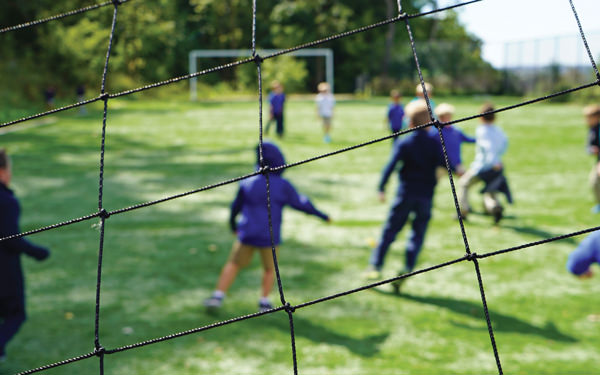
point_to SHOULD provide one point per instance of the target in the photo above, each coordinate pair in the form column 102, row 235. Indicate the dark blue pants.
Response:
column 12, row 315
column 278, row 117
column 279, row 120
column 399, row 214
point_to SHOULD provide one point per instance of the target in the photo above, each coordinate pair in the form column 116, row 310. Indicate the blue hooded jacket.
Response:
column 11, row 273
column 251, row 201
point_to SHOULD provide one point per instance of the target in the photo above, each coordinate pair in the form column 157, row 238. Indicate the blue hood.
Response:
column 272, row 156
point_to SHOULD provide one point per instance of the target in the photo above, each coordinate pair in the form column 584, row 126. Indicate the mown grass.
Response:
column 160, row 262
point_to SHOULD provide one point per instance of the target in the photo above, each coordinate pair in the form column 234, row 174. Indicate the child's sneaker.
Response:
column 497, row 213
column 213, row 302
column 372, row 274
column 397, row 284
column 264, row 306
column 596, row 209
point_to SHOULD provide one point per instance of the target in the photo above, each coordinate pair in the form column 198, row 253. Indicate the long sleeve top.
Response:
column 491, row 143
column 277, row 101
column 11, row 273
column 453, row 139
column 419, row 156
column 395, row 116
column 251, row 202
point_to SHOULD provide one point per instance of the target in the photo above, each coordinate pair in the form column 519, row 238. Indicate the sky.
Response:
column 532, row 32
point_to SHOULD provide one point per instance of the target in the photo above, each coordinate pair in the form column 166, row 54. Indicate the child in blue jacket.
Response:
column 12, row 286
column 419, row 155
column 253, row 228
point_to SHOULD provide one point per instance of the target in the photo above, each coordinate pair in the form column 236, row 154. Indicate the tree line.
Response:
column 153, row 38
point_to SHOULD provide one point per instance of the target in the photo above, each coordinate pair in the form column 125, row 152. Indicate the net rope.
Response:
column 103, row 214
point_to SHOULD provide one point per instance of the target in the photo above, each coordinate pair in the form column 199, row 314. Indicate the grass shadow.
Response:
column 538, row 233
column 366, row 346
column 500, row 322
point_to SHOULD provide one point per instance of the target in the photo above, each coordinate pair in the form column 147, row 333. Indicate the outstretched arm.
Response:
column 9, row 225
column 466, row 138
column 389, row 167
column 302, row 203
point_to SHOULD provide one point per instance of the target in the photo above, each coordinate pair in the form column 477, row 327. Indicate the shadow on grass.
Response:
column 538, row 233
column 366, row 346
column 500, row 322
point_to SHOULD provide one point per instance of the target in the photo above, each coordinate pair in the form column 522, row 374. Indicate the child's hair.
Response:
column 3, row 158
column 428, row 87
column 418, row 113
column 488, row 107
column 275, row 84
column 395, row 93
column 323, row 87
column 591, row 110
column 444, row 109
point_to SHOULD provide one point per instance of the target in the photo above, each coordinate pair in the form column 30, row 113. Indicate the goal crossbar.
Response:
column 194, row 55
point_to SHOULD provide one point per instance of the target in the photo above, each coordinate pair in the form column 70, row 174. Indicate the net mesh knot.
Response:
column 472, row 256
column 104, row 214
column 289, row 308
column 265, row 169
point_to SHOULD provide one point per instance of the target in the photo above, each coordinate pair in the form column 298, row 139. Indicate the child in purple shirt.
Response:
column 276, row 101
column 253, row 227
column 453, row 137
column 395, row 115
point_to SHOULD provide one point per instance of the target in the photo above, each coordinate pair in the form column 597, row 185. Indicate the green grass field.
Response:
column 161, row 262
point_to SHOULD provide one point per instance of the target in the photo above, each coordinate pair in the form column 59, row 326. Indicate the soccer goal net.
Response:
column 196, row 54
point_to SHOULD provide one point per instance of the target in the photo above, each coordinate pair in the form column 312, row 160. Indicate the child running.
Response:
column 453, row 138
column 420, row 156
column 491, row 143
column 252, row 229
column 325, row 104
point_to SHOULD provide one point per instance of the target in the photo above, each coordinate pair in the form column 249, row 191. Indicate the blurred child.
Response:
column 586, row 254
column 12, row 285
column 80, row 92
column 252, row 229
column 276, row 101
column 419, row 155
column 592, row 118
column 419, row 95
column 49, row 94
column 491, row 143
column 325, row 104
column 453, row 138
column 395, row 114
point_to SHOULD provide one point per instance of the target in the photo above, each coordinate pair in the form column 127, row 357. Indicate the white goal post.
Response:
column 194, row 55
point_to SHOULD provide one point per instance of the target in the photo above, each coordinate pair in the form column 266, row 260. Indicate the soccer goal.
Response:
column 196, row 54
